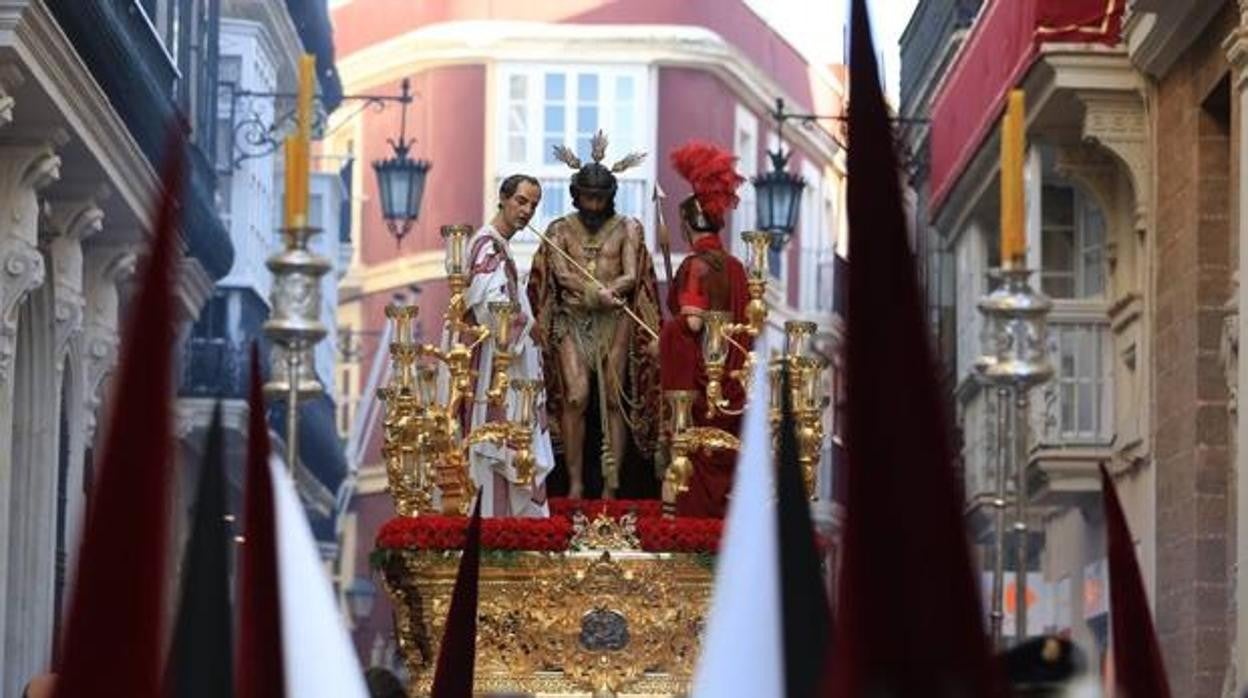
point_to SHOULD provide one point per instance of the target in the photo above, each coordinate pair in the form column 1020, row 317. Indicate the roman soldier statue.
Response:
column 710, row 278
column 595, row 297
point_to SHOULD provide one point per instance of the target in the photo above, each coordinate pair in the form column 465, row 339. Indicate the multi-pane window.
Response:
column 745, row 147
column 547, row 106
column 1072, row 243
column 1077, row 401
column 814, row 242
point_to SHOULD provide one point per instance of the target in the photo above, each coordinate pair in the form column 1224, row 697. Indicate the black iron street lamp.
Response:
column 401, row 180
column 779, row 199
column 780, row 191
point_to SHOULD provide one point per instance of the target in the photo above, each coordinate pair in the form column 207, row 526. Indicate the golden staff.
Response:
column 576, row 265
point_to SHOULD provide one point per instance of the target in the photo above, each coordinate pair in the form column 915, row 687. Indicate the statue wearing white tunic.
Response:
column 492, row 278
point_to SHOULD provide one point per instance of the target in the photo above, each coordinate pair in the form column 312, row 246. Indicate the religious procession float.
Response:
column 580, row 596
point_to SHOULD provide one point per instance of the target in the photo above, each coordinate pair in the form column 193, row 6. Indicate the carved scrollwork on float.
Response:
column 624, row 624
column 604, row 532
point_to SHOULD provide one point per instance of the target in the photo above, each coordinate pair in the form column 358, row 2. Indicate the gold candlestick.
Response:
column 456, row 237
column 406, row 471
column 679, row 468
column 502, row 313
column 714, row 355
column 757, row 243
column 526, row 391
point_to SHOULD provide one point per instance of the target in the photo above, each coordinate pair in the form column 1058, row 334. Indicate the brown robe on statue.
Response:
column 642, row 395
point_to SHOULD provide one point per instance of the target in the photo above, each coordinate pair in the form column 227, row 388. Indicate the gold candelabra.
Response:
column 432, row 390
column 686, row 439
column 805, row 396
column 719, row 336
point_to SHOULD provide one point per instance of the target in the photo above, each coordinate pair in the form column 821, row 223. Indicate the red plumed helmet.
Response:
column 712, row 173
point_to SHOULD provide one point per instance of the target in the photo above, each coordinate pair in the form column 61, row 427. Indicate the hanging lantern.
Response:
column 779, row 199
column 401, row 180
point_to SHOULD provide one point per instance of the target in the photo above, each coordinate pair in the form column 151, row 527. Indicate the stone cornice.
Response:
column 1160, row 30
column 457, row 43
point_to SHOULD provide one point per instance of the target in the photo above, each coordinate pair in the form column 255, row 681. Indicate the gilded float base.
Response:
column 602, row 623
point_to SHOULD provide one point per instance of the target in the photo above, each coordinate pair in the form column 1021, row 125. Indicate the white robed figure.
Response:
column 493, row 278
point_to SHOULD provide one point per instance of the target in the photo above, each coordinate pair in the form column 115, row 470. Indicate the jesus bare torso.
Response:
column 591, row 333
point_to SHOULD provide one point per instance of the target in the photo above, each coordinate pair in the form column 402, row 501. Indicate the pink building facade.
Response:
column 497, row 85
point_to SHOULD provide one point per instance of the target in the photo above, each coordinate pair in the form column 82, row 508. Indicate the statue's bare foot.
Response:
column 608, row 493
column 576, row 490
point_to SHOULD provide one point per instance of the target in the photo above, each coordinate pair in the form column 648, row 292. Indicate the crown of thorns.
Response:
column 597, row 151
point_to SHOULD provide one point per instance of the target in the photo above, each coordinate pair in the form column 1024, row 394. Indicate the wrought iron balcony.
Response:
column 213, row 367
column 124, row 52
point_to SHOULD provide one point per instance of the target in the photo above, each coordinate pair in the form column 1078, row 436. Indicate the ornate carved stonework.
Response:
column 69, row 311
column 1236, row 48
column 10, row 79
column 105, row 269
column 22, row 273
column 24, row 170
column 68, row 224
column 1116, row 121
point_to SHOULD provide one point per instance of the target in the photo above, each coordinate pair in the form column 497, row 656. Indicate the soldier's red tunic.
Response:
column 709, row 279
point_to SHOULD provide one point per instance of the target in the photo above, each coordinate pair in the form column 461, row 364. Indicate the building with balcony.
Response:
column 1134, row 116
column 88, row 92
column 498, row 86
column 258, row 49
column 1086, row 238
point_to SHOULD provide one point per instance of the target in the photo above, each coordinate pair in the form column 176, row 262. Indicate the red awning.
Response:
column 1001, row 48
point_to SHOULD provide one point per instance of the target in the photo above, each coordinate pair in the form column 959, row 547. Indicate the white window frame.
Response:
column 1093, row 371
column 1082, row 204
column 825, row 294
column 811, row 237
column 555, row 177
column 745, row 127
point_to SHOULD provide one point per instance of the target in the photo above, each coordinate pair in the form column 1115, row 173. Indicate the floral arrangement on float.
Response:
column 570, row 523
